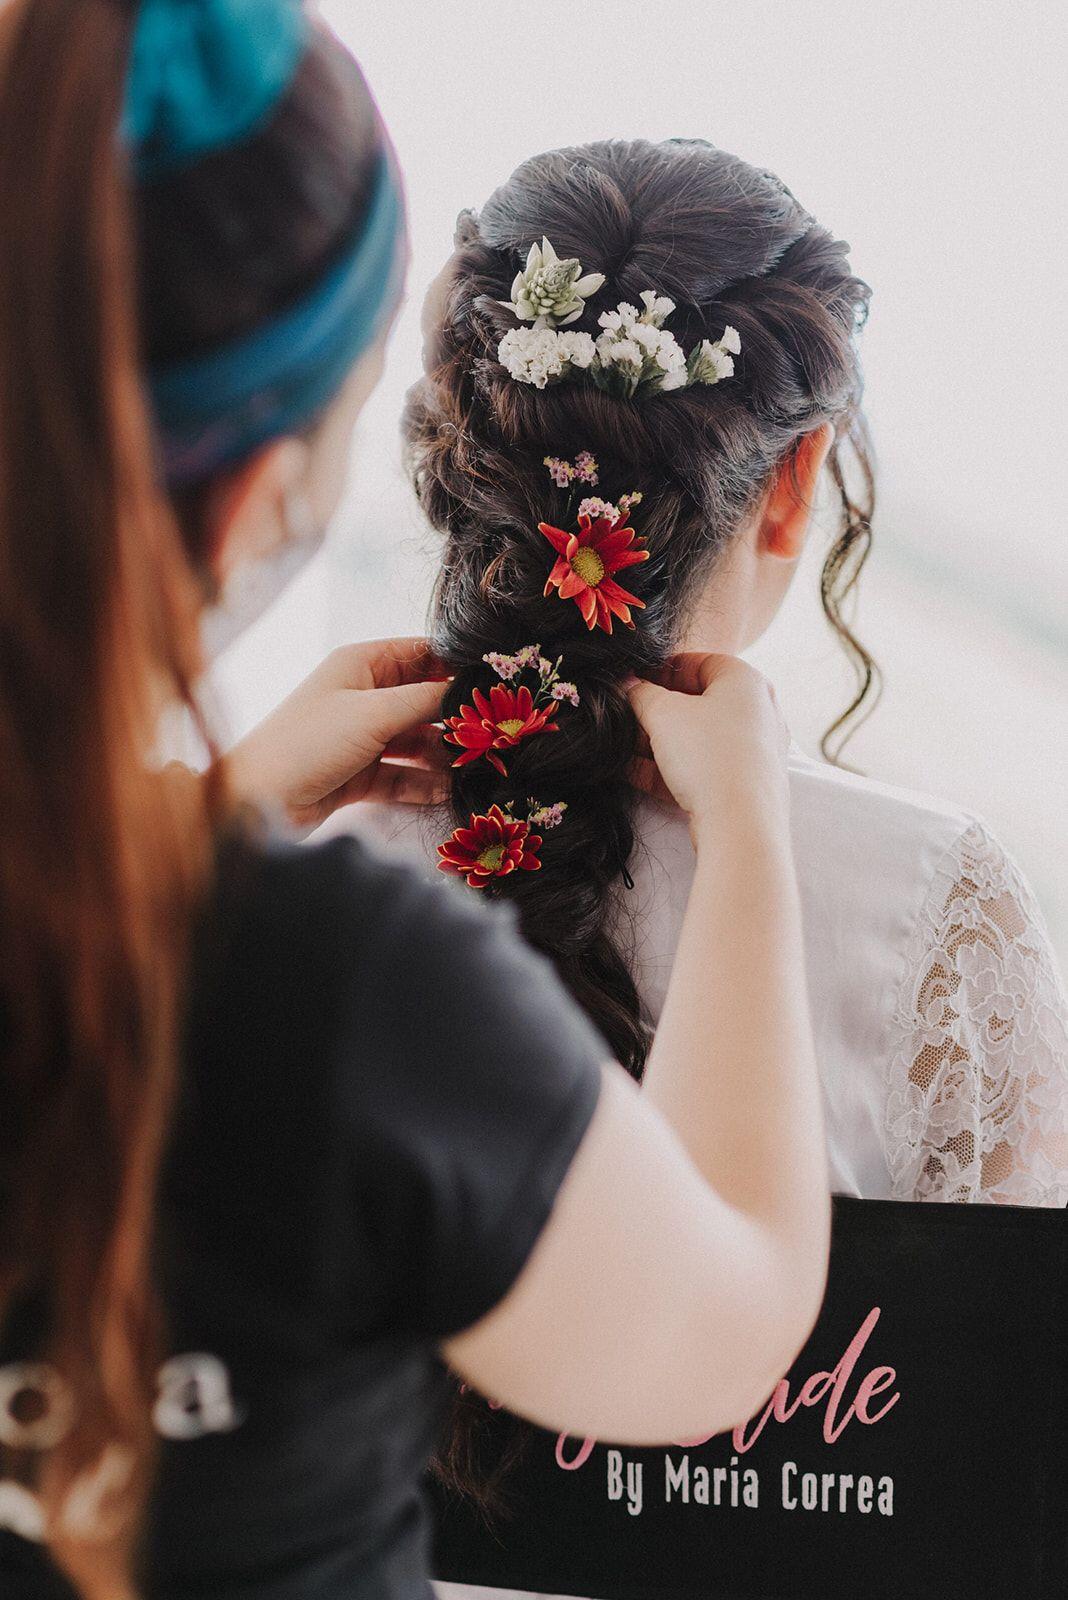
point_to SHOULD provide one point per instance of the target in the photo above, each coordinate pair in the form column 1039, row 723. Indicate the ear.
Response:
column 784, row 521
column 244, row 506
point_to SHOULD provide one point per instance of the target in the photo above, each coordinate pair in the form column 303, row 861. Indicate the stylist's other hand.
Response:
column 358, row 728
column 717, row 739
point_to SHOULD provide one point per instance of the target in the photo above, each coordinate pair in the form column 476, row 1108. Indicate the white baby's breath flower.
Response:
column 578, row 348
column 657, row 307
column 669, row 353
column 611, row 321
column 628, row 314
column 532, row 355
column 541, row 355
column 647, row 336
column 624, row 352
column 710, row 362
column 551, row 292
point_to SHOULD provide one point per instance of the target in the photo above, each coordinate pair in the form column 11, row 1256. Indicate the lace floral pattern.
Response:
column 978, row 1093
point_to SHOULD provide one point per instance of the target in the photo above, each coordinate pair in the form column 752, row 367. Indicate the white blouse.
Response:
column 940, row 1020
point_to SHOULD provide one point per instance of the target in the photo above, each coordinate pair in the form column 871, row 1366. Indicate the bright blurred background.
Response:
column 927, row 136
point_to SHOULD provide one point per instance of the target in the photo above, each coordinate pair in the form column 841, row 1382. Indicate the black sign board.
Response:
column 918, row 1447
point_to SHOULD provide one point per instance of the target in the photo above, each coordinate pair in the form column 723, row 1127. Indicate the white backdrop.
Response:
column 928, row 137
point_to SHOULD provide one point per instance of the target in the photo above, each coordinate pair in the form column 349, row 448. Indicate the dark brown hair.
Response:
column 730, row 245
column 103, row 860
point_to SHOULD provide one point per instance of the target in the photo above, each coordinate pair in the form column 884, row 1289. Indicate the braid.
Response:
column 730, row 246
column 490, row 594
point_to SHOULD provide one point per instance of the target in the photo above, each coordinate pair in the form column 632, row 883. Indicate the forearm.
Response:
column 733, row 1065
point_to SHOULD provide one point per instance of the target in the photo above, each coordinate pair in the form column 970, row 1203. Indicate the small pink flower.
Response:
column 586, row 467
column 505, row 667
column 561, row 472
column 594, row 508
column 548, row 816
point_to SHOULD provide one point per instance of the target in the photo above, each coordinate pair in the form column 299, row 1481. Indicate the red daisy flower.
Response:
column 492, row 847
column 497, row 723
column 586, row 561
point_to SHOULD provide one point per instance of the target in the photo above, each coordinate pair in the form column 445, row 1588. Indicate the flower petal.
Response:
column 627, row 558
column 556, row 536
column 572, row 585
column 502, row 703
column 587, row 604
column 609, row 590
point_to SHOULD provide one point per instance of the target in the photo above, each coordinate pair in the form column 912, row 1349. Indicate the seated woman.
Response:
column 640, row 361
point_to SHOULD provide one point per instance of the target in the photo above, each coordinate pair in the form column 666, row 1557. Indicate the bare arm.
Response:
column 684, row 1262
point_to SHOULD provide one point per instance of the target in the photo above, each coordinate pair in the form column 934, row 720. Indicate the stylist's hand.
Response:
column 717, row 739
column 356, row 729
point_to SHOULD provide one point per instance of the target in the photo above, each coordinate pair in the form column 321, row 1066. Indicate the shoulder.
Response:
column 864, row 815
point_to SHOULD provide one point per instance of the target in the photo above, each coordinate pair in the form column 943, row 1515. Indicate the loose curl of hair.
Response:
column 728, row 243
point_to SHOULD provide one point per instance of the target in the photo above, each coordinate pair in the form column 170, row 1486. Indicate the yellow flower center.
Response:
column 589, row 566
column 491, row 857
column 511, row 726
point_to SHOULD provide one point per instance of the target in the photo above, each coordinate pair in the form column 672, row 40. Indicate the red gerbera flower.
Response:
column 497, row 723
column 586, row 561
column 492, row 847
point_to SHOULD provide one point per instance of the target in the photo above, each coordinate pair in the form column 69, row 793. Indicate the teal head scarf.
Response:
column 205, row 75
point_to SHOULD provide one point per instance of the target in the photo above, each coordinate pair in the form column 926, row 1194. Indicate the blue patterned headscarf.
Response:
column 204, row 75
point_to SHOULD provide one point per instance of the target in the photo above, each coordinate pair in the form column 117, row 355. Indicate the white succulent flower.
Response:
column 657, row 307
column 551, row 292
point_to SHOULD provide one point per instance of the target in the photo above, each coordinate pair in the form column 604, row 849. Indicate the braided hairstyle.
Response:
column 730, row 245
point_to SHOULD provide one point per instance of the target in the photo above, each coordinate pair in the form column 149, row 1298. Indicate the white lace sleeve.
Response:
column 978, row 1093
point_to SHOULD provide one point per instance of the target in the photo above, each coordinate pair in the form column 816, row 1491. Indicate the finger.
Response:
column 386, row 783
column 646, row 700
column 388, row 713
column 385, row 663
column 645, row 775
column 643, row 745
column 424, row 745
column 691, row 671
column 407, row 786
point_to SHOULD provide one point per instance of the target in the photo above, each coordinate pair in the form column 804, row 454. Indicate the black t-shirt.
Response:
column 382, row 1092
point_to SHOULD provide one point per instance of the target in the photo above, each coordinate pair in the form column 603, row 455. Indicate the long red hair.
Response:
column 103, row 857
